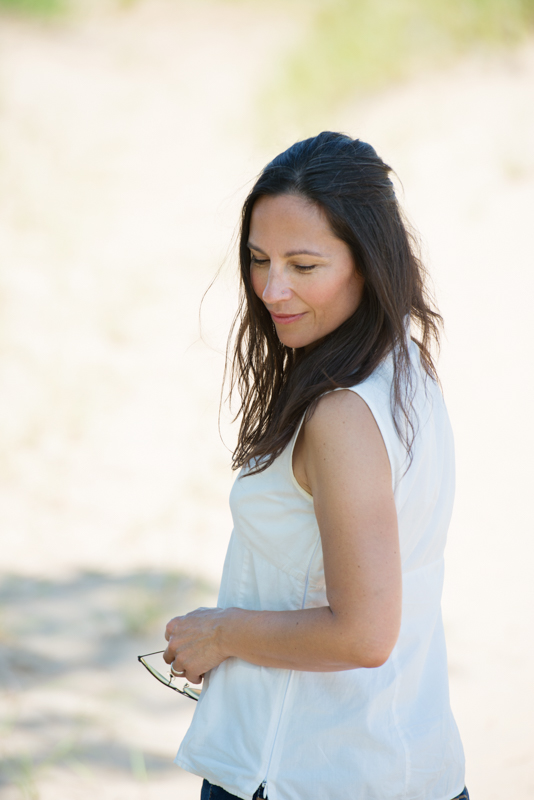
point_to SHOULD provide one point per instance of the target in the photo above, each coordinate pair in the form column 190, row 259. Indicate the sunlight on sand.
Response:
column 126, row 146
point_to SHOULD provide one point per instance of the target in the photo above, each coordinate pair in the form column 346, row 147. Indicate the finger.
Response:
column 193, row 678
column 177, row 670
column 170, row 627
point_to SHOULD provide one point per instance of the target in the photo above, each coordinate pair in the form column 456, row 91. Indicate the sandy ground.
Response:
column 126, row 145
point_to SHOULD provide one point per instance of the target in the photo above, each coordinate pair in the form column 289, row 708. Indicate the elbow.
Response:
column 371, row 654
column 368, row 643
column 375, row 658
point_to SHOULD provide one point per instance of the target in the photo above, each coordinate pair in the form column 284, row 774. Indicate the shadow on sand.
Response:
column 75, row 695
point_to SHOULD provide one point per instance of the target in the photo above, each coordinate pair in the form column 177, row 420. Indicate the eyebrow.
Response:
column 289, row 254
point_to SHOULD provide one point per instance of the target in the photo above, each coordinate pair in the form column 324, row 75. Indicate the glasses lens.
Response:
column 157, row 667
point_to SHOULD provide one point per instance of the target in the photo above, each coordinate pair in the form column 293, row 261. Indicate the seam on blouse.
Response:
column 244, row 575
column 307, row 582
column 407, row 759
column 254, row 555
column 291, row 672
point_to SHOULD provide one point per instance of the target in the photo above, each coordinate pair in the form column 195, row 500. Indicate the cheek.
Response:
column 334, row 295
column 340, row 299
column 355, row 293
column 258, row 280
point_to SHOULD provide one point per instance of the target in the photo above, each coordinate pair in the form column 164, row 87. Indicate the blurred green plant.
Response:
column 24, row 771
column 146, row 604
column 137, row 763
column 361, row 45
column 23, row 776
column 141, row 613
column 40, row 8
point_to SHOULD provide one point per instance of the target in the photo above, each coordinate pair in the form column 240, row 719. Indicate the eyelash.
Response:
column 261, row 261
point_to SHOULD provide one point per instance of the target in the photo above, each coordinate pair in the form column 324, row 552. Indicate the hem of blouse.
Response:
column 456, row 792
column 231, row 789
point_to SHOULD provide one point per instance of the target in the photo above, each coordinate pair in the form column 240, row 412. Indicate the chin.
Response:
column 297, row 342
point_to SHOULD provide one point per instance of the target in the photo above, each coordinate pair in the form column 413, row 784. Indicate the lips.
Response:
column 285, row 319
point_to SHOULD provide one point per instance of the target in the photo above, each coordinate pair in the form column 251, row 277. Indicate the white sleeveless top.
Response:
column 385, row 733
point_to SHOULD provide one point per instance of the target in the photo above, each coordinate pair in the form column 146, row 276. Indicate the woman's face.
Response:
column 303, row 273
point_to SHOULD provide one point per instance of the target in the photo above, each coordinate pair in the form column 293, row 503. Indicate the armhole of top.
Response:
column 381, row 427
column 291, row 447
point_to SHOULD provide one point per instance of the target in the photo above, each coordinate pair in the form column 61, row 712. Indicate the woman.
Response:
column 324, row 664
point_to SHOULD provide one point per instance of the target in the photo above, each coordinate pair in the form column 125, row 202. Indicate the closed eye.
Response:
column 260, row 262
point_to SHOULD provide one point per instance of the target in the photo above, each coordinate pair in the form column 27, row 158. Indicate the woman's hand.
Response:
column 194, row 643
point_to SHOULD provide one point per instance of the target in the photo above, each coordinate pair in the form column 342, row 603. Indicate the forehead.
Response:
column 289, row 218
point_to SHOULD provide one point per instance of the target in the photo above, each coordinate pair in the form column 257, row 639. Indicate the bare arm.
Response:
column 344, row 465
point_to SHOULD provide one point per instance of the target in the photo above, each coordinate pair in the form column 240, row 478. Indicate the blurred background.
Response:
column 130, row 131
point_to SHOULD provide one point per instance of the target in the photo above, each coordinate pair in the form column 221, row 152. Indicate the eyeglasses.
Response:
column 186, row 689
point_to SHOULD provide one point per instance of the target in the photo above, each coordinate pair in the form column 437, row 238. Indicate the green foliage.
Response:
column 23, row 775
column 356, row 45
column 41, row 8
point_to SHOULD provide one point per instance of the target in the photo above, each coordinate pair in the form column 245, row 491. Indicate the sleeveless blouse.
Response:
column 384, row 733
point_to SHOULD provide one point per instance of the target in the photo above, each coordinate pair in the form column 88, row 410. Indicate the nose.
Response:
column 277, row 287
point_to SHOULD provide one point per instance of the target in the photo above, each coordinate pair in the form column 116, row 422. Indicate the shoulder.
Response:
column 336, row 411
column 342, row 427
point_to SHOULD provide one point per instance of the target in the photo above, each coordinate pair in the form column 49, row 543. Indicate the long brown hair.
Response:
column 277, row 384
